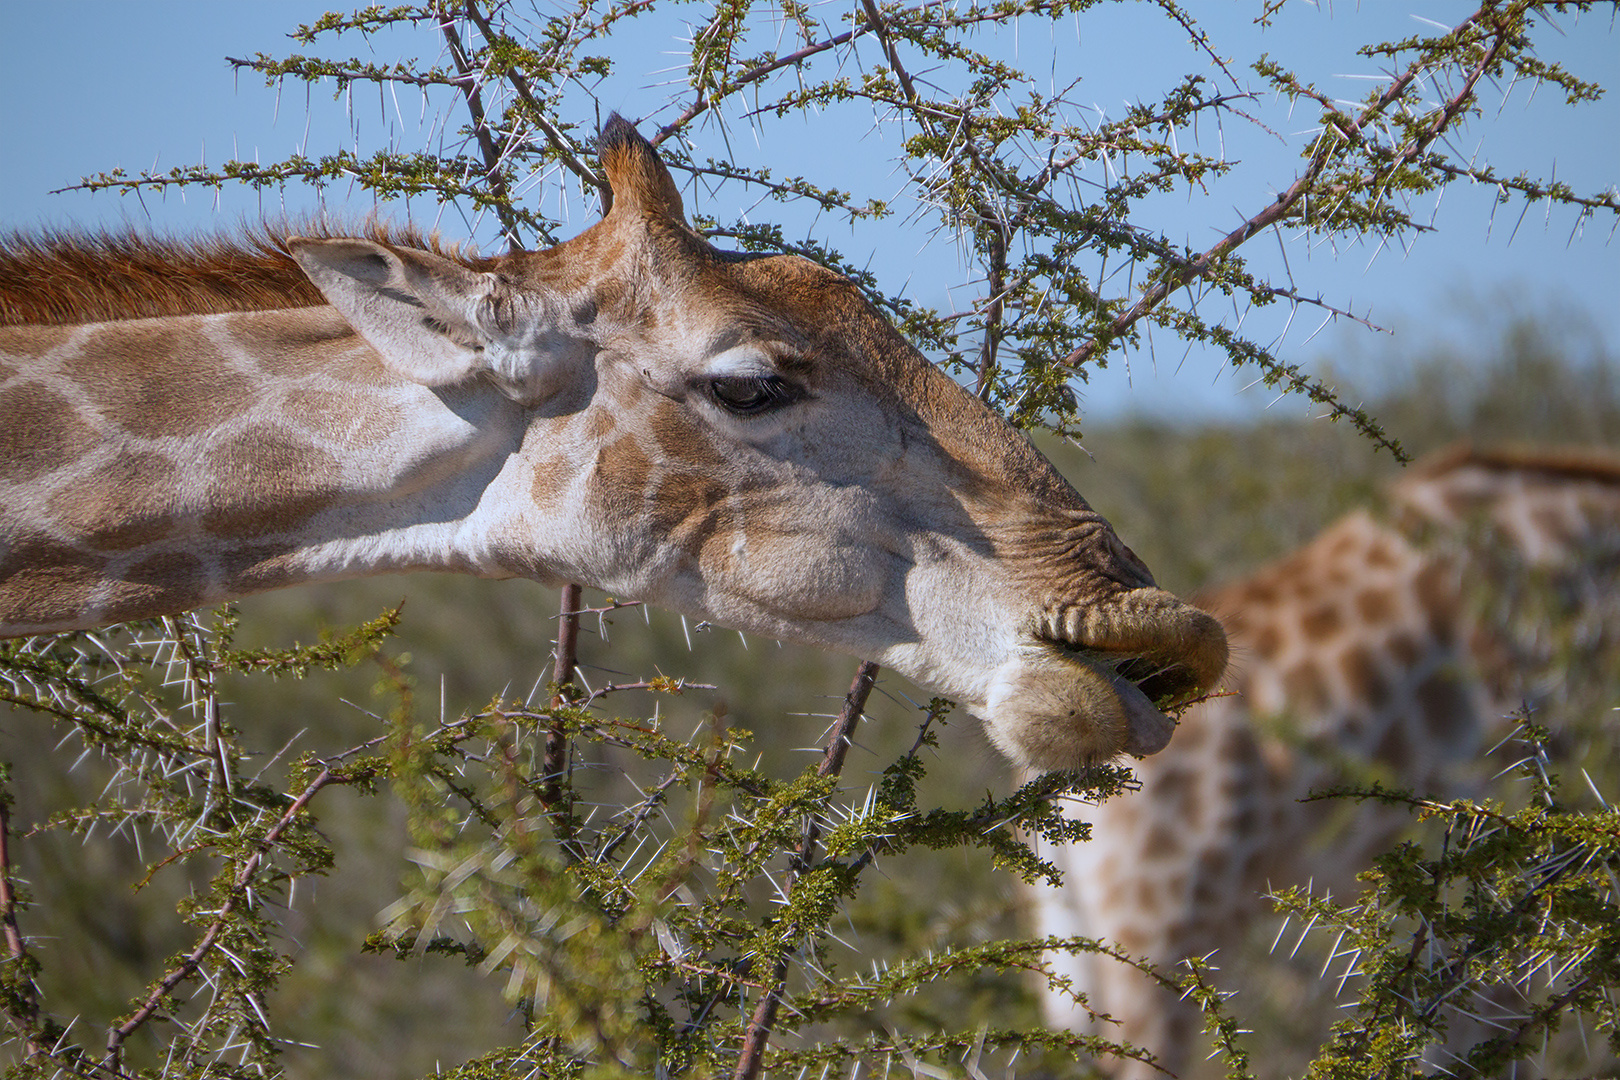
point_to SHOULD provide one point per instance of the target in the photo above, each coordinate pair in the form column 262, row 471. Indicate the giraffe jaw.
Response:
column 1051, row 709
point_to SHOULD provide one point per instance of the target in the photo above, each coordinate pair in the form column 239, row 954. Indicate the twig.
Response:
column 1302, row 186
column 562, row 676
column 760, row 1025
column 27, row 997
column 559, row 142
column 470, row 88
column 187, row 967
column 875, row 19
column 703, row 104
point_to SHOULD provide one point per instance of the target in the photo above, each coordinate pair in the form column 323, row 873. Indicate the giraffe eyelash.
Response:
column 752, row 395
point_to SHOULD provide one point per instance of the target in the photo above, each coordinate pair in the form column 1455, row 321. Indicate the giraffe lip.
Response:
column 1138, row 683
column 1155, row 683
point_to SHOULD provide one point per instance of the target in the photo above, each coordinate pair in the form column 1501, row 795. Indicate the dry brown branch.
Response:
column 763, row 1020
column 562, row 676
column 1302, row 186
column 187, row 967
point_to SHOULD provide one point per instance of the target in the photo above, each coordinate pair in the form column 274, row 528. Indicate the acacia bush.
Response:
column 652, row 897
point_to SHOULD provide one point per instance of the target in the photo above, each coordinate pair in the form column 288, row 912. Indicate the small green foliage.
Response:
column 1469, row 950
column 636, row 940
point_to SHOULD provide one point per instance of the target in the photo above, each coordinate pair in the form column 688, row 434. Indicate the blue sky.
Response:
column 90, row 85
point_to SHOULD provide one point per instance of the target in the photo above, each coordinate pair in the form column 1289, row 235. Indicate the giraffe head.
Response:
column 741, row 439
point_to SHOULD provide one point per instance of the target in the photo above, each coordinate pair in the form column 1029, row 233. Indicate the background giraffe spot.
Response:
column 122, row 504
column 152, row 382
column 1375, row 605
column 1447, row 708
column 1321, row 622
column 1394, row 746
column 40, row 432
column 1267, row 641
column 1404, row 648
column 1366, row 680
column 1441, row 600
column 1306, row 687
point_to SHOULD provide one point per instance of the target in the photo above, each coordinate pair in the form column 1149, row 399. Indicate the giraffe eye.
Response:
column 750, row 395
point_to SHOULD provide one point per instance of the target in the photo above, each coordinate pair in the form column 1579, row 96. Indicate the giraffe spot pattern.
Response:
column 619, row 482
column 123, row 504
column 336, row 419
column 319, row 345
column 257, row 567
column 552, row 479
column 291, row 481
column 40, row 577
column 149, row 383
column 168, row 576
column 40, row 432
column 34, row 340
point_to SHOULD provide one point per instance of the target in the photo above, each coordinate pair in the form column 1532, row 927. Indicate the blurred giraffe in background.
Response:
column 1390, row 646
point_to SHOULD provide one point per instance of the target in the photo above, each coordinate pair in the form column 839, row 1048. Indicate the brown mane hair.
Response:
column 64, row 278
column 1564, row 463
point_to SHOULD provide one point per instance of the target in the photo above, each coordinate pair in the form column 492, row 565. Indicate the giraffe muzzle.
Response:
column 1091, row 681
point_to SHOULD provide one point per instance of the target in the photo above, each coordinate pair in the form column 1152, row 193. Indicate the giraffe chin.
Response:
column 1051, row 710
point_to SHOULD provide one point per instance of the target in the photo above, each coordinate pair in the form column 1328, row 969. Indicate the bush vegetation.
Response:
column 423, row 845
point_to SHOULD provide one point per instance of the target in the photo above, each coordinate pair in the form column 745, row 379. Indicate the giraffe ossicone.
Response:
column 739, row 438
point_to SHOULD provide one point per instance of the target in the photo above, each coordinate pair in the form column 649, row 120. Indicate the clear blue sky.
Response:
column 89, row 85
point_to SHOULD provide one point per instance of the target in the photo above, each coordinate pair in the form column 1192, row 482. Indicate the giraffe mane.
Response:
column 1564, row 463
column 68, row 277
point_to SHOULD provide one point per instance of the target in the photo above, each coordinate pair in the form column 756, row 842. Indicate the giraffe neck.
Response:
column 195, row 459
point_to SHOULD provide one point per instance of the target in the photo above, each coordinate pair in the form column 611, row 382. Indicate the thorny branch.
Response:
column 471, row 89
column 554, row 135
column 763, row 1020
column 562, row 676
column 26, row 993
column 1303, row 186
column 187, row 967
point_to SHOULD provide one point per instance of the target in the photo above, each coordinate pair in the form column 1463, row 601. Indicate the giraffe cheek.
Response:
column 795, row 576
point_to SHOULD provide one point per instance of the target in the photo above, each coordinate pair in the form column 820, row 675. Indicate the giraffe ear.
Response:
column 421, row 311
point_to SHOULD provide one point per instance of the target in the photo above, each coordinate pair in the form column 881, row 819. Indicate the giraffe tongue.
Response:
column 1147, row 729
